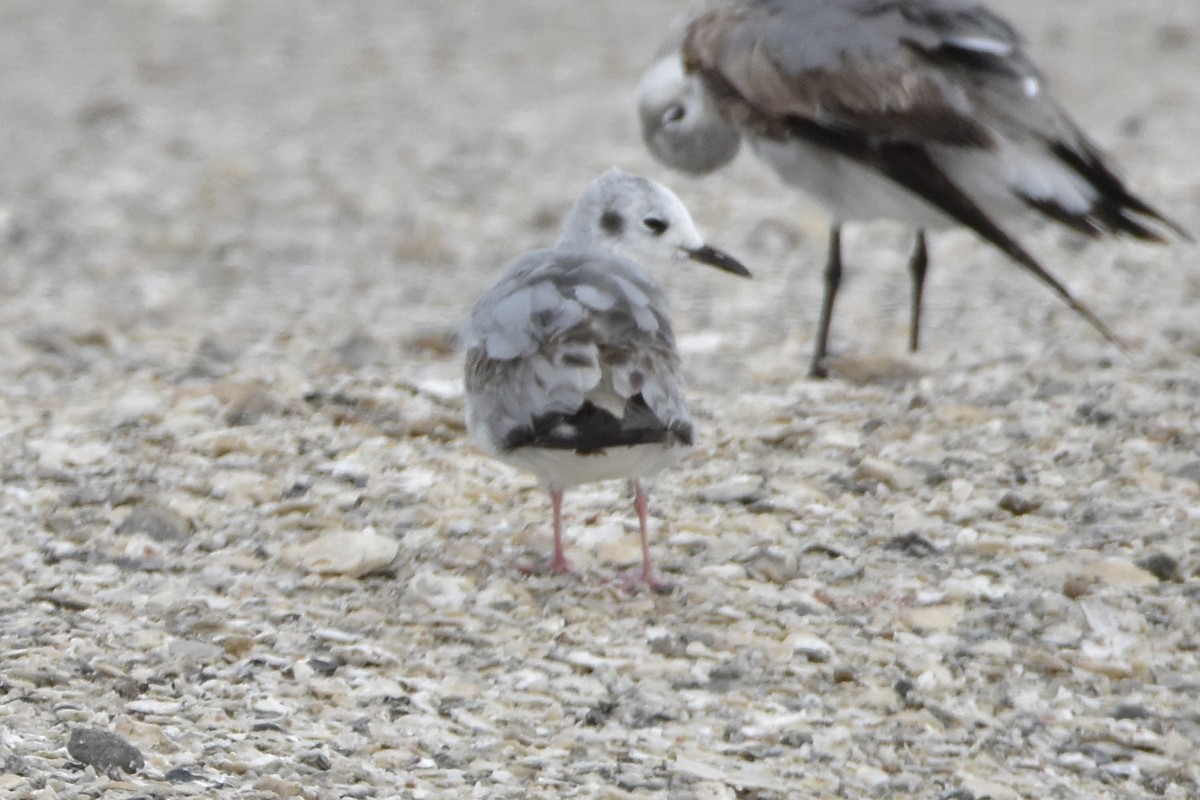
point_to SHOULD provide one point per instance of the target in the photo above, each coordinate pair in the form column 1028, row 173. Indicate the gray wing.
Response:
column 573, row 350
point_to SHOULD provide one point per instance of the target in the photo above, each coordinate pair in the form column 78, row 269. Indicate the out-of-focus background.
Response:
column 238, row 239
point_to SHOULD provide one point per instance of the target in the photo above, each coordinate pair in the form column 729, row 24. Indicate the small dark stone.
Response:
column 297, row 489
column 840, row 484
column 1077, row 587
column 61, row 601
column 913, row 544
column 646, row 717
column 129, row 689
column 903, row 687
column 1018, row 505
column 104, row 751
column 957, row 794
column 1094, row 414
column 843, row 675
column 823, row 549
column 180, row 775
column 397, row 707
column 796, row 739
column 158, row 522
column 598, row 714
column 325, row 666
column 1161, row 566
column 731, row 670
column 1131, row 711
column 316, row 760
column 266, row 726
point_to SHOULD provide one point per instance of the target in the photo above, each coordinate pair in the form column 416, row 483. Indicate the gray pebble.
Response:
column 158, row 522
column 104, row 751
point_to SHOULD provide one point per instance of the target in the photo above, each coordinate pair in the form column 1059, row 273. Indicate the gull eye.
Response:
column 655, row 225
column 674, row 113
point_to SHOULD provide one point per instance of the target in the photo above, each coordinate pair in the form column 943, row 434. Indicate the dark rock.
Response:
column 1094, row 414
column 325, row 666
column 598, row 714
column 1018, row 505
column 913, row 544
column 728, row 672
column 316, row 760
column 104, row 751
column 796, row 739
column 129, row 689
column 1131, row 711
column 180, row 775
column 1161, row 566
column 957, row 794
column 844, row 675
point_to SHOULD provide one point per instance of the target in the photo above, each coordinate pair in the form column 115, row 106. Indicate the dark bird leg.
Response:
column 833, row 279
column 918, row 265
column 647, row 575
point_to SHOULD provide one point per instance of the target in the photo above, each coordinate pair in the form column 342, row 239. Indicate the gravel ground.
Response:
column 250, row 554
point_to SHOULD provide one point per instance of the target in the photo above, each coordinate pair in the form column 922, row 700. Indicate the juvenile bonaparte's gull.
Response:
column 572, row 371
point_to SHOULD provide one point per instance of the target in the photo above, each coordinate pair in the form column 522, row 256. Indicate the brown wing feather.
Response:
column 896, row 98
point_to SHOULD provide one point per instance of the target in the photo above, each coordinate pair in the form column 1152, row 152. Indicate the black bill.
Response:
column 719, row 259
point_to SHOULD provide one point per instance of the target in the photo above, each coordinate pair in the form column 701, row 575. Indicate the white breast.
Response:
column 563, row 469
column 848, row 191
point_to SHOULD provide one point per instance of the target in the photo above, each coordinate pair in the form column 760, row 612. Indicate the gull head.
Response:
column 641, row 220
column 680, row 121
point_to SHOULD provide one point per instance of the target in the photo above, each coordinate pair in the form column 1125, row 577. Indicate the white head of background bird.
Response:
column 680, row 121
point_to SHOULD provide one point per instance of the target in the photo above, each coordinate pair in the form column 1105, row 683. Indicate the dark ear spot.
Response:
column 612, row 222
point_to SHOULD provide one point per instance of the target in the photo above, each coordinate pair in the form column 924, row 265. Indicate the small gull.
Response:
column 572, row 371
column 928, row 112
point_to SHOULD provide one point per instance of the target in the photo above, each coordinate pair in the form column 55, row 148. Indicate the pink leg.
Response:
column 560, row 563
column 642, row 505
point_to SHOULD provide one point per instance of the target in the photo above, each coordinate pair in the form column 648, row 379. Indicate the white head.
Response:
column 638, row 219
column 680, row 121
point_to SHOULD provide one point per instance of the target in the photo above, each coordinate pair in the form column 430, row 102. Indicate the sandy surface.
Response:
column 238, row 237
